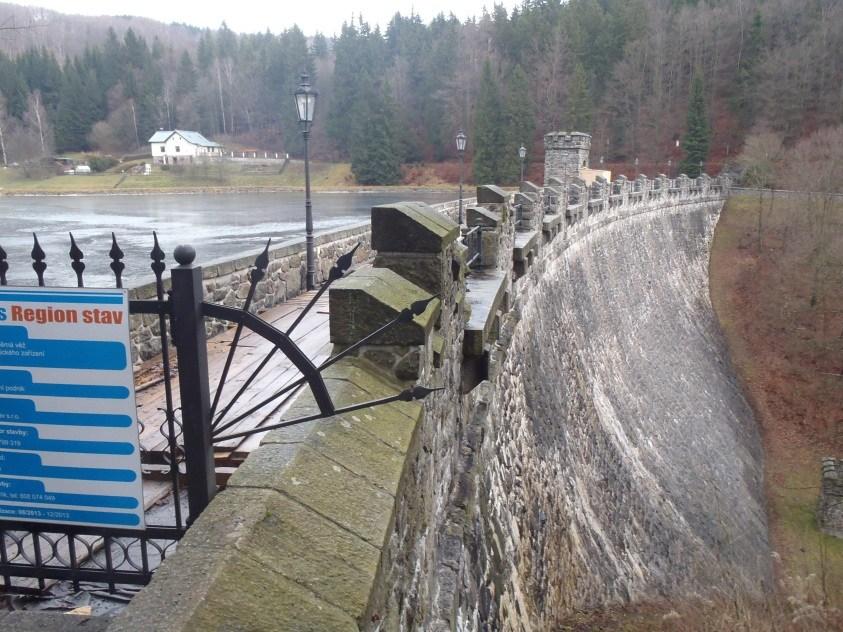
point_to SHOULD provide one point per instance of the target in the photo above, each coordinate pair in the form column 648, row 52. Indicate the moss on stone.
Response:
column 411, row 227
column 369, row 299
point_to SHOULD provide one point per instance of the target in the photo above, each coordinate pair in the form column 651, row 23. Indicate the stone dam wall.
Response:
column 619, row 460
column 590, row 445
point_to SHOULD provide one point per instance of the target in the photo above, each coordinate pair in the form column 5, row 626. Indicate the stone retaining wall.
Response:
column 227, row 281
column 830, row 507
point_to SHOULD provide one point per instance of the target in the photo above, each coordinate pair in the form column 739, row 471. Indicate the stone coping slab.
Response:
column 411, row 227
column 294, row 542
column 479, row 216
column 551, row 221
column 371, row 297
column 491, row 194
column 485, row 295
column 528, row 187
column 525, row 242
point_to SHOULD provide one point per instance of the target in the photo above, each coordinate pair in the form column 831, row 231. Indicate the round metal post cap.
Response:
column 184, row 254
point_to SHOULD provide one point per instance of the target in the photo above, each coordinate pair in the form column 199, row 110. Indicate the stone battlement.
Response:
column 565, row 155
column 567, row 140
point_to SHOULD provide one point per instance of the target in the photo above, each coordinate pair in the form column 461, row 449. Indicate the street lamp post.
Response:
column 305, row 108
column 461, row 138
column 522, row 153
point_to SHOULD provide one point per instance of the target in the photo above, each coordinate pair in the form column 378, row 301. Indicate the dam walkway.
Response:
column 312, row 335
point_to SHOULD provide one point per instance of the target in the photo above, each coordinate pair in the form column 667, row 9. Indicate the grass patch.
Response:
column 219, row 176
column 778, row 293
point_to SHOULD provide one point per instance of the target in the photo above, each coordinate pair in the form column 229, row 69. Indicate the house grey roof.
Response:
column 195, row 138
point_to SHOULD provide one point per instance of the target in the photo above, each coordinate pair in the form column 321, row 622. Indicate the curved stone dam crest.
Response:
column 590, row 445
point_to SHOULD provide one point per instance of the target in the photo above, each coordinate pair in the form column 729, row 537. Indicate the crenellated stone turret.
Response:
column 565, row 154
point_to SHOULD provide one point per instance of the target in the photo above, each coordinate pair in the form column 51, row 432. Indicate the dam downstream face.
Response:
column 624, row 462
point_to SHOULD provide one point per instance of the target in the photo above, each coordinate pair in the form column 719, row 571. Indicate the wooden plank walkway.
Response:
column 312, row 335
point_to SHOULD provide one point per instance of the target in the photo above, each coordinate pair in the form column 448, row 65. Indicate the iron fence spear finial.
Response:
column 78, row 266
column 261, row 264
column 117, row 266
column 343, row 264
column 38, row 257
column 157, row 255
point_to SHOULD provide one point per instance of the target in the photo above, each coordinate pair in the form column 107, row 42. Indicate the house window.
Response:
column 162, row 149
column 178, row 149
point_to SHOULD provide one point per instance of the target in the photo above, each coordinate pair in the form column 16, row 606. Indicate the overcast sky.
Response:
column 325, row 16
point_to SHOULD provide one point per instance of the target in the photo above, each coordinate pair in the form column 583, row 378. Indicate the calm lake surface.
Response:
column 219, row 226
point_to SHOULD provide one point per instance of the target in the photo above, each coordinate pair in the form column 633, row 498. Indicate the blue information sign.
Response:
column 68, row 427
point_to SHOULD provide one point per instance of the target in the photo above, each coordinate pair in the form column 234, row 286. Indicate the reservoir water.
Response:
column 219, row 226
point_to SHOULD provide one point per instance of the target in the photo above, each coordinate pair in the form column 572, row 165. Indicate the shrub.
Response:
column 37, row 169
column 102, row 163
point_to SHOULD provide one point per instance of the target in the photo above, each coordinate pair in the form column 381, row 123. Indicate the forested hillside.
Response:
column 620, row 69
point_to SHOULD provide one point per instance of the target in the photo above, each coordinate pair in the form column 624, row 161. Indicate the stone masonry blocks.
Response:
column 411, row 227
column 369, row 299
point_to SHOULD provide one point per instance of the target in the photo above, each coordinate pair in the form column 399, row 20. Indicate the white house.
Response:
column 170, row 147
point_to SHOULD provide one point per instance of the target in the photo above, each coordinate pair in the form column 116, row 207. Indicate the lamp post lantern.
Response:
column 522, row 153
column 305, row 109
column 461, row 138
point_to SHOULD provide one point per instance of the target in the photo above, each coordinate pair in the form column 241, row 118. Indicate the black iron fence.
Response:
column 34, row 554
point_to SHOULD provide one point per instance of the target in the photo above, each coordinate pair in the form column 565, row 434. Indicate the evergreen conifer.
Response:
column 698, row 134
column 488, row 137
column 374, row 154
column 746, row 98
column 579, row 101
column 519, row 125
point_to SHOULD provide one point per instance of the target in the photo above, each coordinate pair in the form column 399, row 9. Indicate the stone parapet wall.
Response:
column 464, row 565
column 442, row 515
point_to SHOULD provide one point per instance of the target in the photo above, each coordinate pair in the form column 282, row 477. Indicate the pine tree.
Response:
column 698, row 134
column 519, row 125
column 579, row 101
column 374, row 154
column 488, row 136
column 186, row 76
column 745, row 101
column 319, row 48
column 13, row 88
column 205, row 51
column 75, row 115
